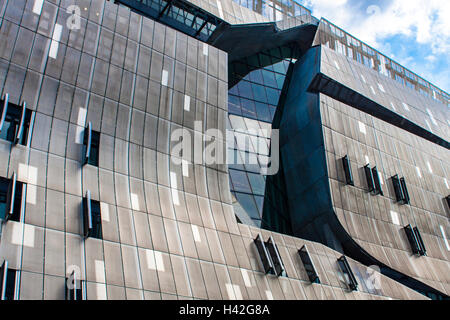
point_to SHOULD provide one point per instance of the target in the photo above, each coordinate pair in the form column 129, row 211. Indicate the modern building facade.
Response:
column 337, row 179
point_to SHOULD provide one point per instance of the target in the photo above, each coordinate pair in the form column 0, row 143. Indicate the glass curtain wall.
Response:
column 256, row 85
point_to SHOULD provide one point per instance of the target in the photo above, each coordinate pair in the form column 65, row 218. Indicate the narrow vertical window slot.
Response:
column 412, row 239
column 275, row 257
column 87, row 214
column 309, row 265
column 92, row 220
column 348, row 273
column 369, row 178
column 91, row 143
column 421, row 244
column 87, row 142
column 4, row 111
column 263, row 254
column 8, row 282
column 20, row 130
column 397, row 189
column 347, row 170
column 15, row 122
column 3, row 275
column 10, row 198
column 376, row 179
column 406, row 198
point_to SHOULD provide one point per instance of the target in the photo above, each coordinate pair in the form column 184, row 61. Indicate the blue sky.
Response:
column 415, row 33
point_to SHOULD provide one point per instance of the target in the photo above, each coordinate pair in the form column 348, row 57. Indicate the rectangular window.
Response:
column 8, row 282
column 264, row 255
column 347, row 170
column 14, row 122
column 422, row 249
column 309, row 265
column 411, row 239
column 91, row 146
column 369, row 178
column 400, row 189
column 406, row 198
column 348, row 273
column 92, row 217
column 10, row 198
column 397, row 188
column 415, row 240
column 275, row 256
column 74, row 290
column 376, row 180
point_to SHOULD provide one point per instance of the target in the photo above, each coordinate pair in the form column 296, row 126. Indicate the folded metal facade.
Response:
column 95, row 205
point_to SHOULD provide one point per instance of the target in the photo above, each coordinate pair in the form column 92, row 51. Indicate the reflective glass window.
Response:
column 249, row 205
column 240, row 181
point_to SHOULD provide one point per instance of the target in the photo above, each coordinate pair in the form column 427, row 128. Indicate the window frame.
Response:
column 14, row 198
column 92, row 220
column 7, row 274
column 422, row 248
column 264, row 255
column 376, row 179
column 91, row 142
column 369, row 178
column 347, row 270
column 348, row 171
column 274, row 254
column 412, row 239
column 397, row 188
column 406, row 198
column 308, row 264
column 20, row 117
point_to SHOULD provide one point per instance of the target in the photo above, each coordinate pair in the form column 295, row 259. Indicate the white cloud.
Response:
column 431, row 58
column 426, row 23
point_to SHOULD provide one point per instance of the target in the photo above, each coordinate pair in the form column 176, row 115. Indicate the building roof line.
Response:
column 430, row 84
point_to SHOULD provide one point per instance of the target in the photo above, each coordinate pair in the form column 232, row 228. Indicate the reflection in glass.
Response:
column 240, row 181
column 256, row 84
